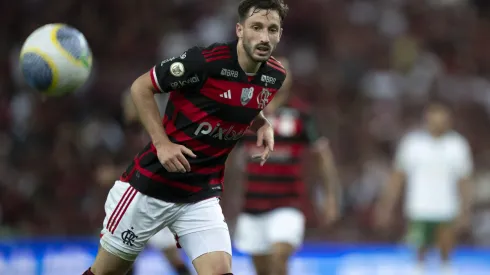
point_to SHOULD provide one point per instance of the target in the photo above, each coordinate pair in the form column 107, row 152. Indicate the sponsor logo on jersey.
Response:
column 247, row 94
column 182, row 83
column 268, row 79
column 221, row 133
column 177, row 69
column 229, row 73
column 167, row 60
column 263, row 98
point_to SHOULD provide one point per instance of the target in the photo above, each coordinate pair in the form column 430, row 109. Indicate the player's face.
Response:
column 260, row 34
column 438, row 119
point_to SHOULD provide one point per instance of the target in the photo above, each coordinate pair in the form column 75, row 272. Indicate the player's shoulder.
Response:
column 217, row 52
column 275, row 67
column 457, row 138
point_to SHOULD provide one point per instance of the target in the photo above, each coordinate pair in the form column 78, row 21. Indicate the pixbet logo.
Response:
column 219, row 132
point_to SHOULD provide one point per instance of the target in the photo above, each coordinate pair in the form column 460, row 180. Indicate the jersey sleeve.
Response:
column 179, row 73
column 465, row 167
column 402, row 155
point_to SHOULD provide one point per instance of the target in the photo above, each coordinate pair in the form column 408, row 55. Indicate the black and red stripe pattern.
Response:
column 217, row 53
column 273, row 63
column 208, row 112
column 279, row 182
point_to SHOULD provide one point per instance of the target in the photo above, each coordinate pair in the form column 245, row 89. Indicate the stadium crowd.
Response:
column 366, row 68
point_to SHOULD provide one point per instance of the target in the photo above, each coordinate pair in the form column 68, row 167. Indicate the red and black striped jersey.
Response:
column 211, row 105
column 279, row 182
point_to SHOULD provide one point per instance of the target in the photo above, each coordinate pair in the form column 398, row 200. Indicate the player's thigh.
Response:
column 285, row 229
column 163, row 240
column 204, row 236
column 250, row 234
column 131, row 220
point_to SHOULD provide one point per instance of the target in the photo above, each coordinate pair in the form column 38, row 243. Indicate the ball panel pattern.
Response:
column 69, row 39
column 36, row 70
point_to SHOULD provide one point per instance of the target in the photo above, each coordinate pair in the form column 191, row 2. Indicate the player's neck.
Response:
column 246, row 63
column 436, row 133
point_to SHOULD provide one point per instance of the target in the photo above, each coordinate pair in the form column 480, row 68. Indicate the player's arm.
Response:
column 259, row 121
column 392, row 191
column 394, row 186
column 328, row 170
column 178, row 74
column 465, row 183
column 265, row 136
column 142, row 92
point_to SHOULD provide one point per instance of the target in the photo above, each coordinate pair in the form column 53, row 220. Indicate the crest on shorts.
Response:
column 263, row 98
column 247, row 94
column 129, row 237
column 177, row 69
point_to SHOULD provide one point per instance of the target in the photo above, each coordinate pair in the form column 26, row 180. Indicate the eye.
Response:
column 273, row 30
column 255, row 28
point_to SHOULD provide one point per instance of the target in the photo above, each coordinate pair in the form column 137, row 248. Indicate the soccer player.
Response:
column 272, row 224
column 216, row 94
column 163, row 240
column 436, row 164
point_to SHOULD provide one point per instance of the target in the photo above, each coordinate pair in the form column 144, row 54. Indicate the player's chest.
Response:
column 231, row 86
column 433, row 156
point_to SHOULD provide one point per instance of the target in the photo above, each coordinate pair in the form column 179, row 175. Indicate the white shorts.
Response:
column 133, row 218
column 163, row 240
column 255, row 234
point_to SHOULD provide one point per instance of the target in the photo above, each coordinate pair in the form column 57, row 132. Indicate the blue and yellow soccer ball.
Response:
column 56, row 59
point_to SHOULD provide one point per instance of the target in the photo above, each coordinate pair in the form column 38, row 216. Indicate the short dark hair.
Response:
column 276, row 5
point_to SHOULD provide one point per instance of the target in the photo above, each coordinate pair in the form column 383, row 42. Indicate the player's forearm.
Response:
column 466, row 195
column 330, row 176
column 392, row 191
column 258, row 122
column 148, row 112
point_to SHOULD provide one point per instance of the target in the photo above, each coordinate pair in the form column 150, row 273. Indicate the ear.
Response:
column 239, row 30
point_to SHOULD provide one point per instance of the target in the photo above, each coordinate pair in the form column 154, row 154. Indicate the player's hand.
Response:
column 265, row 138
column 172, row 157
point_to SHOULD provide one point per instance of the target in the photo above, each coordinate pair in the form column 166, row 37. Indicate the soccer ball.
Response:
column 56, row 59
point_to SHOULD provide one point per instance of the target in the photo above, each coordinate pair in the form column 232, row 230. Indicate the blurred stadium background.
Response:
column 365, row 67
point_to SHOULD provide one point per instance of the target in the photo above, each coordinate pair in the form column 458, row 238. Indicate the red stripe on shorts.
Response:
column 122, row 202
column 126, row 205
column 113, row 215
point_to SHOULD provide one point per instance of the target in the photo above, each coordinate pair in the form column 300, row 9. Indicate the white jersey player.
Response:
column 436, row 164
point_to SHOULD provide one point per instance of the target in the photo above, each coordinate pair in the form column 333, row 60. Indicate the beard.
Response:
column 249, row 49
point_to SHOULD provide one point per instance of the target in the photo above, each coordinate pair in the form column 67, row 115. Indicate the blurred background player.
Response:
column 436, row 164
column 272, row 224
column 163, row 240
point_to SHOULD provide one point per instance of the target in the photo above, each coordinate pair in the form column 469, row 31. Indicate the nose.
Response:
column 264, row 37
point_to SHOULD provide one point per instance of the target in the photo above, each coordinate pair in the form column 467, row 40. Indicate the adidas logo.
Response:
column 226, row 94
